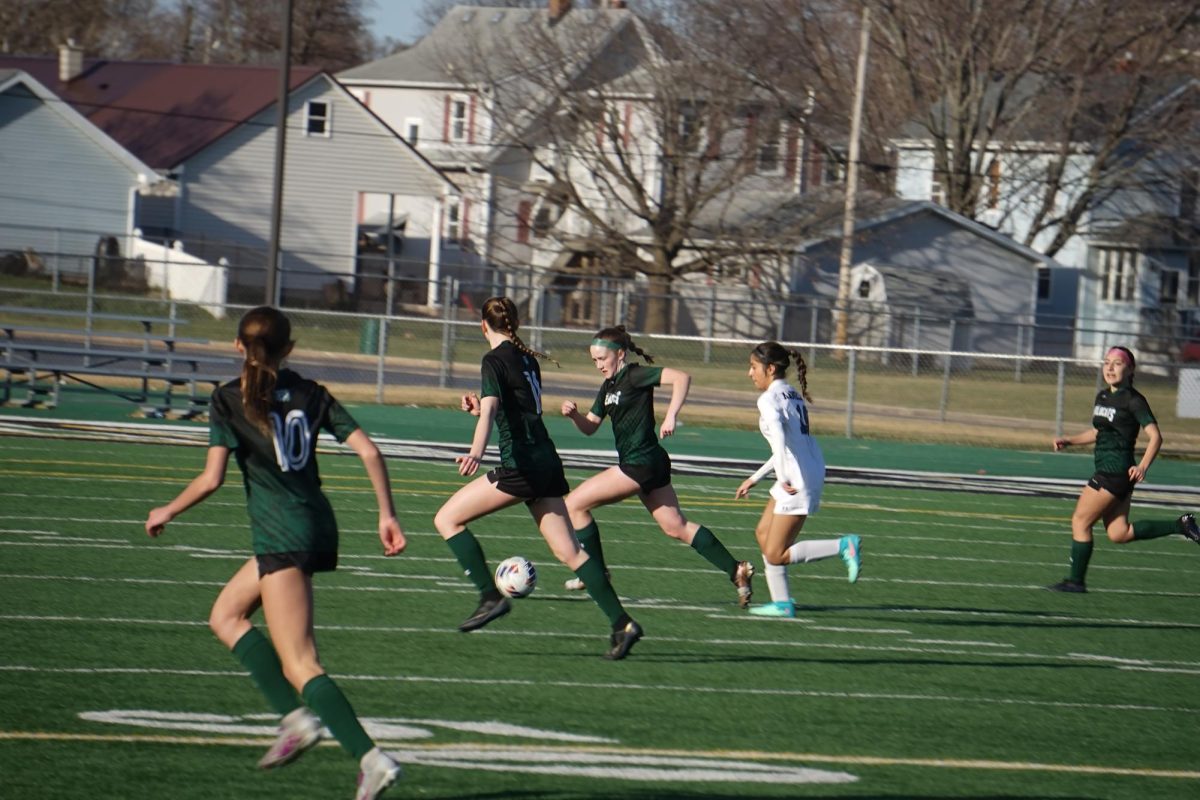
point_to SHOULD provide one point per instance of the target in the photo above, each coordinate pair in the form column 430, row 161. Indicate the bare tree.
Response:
column 331, row 34
column 642, row 144
column 128, row 29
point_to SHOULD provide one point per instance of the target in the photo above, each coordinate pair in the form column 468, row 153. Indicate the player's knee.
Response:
column 675, row 531
column 1120, row 535
column 777, row 558
column 225, row 623
column 446, row 524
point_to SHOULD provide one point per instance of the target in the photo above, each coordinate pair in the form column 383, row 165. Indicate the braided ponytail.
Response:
column 776, row 355
column 266, row 336
column 500, row 313
column 619, row 336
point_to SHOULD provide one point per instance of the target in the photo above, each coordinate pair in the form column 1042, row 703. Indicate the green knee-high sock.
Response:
column 323, row 696
column 258, row 656
column 589, row 540
column 466, row 549
column 598, row 586
column 711, row 548
column 1154, row 528
column 1081, row 553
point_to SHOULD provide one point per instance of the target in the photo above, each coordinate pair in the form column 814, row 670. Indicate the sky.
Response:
column 395, row 18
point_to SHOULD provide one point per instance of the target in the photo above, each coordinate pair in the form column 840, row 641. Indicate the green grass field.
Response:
column 946, row 672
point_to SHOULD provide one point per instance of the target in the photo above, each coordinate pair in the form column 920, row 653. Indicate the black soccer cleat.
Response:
column 489, row 609
column 1189, row 528
column 622, row 641
column 1068, row 585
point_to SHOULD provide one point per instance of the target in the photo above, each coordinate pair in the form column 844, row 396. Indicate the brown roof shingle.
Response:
column 163, row 112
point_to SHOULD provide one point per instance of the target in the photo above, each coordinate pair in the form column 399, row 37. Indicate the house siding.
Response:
column 62, row 191
column 227, row 198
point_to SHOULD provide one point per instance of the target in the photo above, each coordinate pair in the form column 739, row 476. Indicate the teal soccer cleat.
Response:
column 779, row 608
column 850, row 549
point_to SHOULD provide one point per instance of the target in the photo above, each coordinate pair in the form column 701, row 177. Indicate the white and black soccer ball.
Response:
column 516, row 577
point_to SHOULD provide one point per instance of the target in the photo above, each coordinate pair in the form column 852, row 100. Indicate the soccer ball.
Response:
column 516, row 577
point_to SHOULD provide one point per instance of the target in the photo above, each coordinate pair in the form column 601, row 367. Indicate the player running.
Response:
column 530, row 471
column 644, row 467
column 799, row 478
column 269, row 418
column 1119, row 412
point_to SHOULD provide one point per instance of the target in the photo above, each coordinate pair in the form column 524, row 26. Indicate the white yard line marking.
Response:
column 960, row 642
column 685, row 687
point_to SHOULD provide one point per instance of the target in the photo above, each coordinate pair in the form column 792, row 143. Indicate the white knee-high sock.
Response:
column 777, row 582
column 812, row 550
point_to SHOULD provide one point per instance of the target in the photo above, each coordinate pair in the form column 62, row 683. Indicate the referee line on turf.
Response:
column 748, row 755
column 686, row 687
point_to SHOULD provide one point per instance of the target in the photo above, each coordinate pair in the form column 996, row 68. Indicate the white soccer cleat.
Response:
column 299, row 731
column 378, row 772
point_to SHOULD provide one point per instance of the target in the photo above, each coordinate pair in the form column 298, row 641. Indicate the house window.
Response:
column 458, row 120
column 412, row 131
column 542, row 222
column 453, row 221
column 864, row 289
column 690, row 129
column 1168, row 290
column 317, row 118
column 994, row 184
column 1043, row 283
column 770, row 149
column 1188, row 187
column 1119, row 271
column 1193, row 282
column 937, row 192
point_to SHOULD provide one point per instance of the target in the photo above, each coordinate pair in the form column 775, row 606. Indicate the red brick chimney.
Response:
column 559, row 9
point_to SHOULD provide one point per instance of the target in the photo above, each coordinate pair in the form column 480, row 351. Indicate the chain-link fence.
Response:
column 429, row 359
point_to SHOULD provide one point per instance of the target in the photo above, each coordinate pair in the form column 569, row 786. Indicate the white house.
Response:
column 1131, row 273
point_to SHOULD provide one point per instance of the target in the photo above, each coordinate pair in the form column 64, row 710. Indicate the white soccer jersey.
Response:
column 795, row 455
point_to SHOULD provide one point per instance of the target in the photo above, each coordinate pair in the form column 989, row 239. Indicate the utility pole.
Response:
column 860, row 81
column 285, row 69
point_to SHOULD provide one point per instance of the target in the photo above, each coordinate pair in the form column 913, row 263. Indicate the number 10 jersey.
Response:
column 288, row 511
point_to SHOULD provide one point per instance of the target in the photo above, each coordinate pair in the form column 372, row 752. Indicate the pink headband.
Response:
column 1116, row 351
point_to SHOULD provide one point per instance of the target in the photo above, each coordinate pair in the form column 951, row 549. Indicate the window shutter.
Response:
column 524, row 209
column 471, row 121
column 626, row 124
column 464, row 225
column 446, row 121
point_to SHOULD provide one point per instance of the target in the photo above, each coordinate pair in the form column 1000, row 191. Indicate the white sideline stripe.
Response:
column 646, row 603
column 551, row 750
column 1162, row 669
column 1069, row 657
column 606, row 687
column 960, row 642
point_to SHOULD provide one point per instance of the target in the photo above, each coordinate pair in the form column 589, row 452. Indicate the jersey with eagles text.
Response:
column 628, row 398
column 1117, row 417
column 515, row 378
column 288, row 511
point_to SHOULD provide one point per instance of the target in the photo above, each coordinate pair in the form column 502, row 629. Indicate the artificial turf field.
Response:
column 945, row 672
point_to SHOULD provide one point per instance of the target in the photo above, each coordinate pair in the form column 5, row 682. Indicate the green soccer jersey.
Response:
column 288, row 511
column 628, row 398
column 1117, row 418
column 515, row 378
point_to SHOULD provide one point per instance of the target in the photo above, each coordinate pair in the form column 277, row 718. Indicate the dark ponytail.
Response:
column 619, row 336
column 266, row 336
column 776, row 355
column 500, row 313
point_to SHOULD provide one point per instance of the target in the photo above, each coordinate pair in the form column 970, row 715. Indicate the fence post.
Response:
column 851, row 378
column 1020, row 341
column 916, row 360
column 444, row 367
column 813, row 315
column 946, row 374
column 381, row 350
column 172, row 314
column 54, row 284
column 712, row 313
column 538, row 301
column 602, row 312
column 1060, row 398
